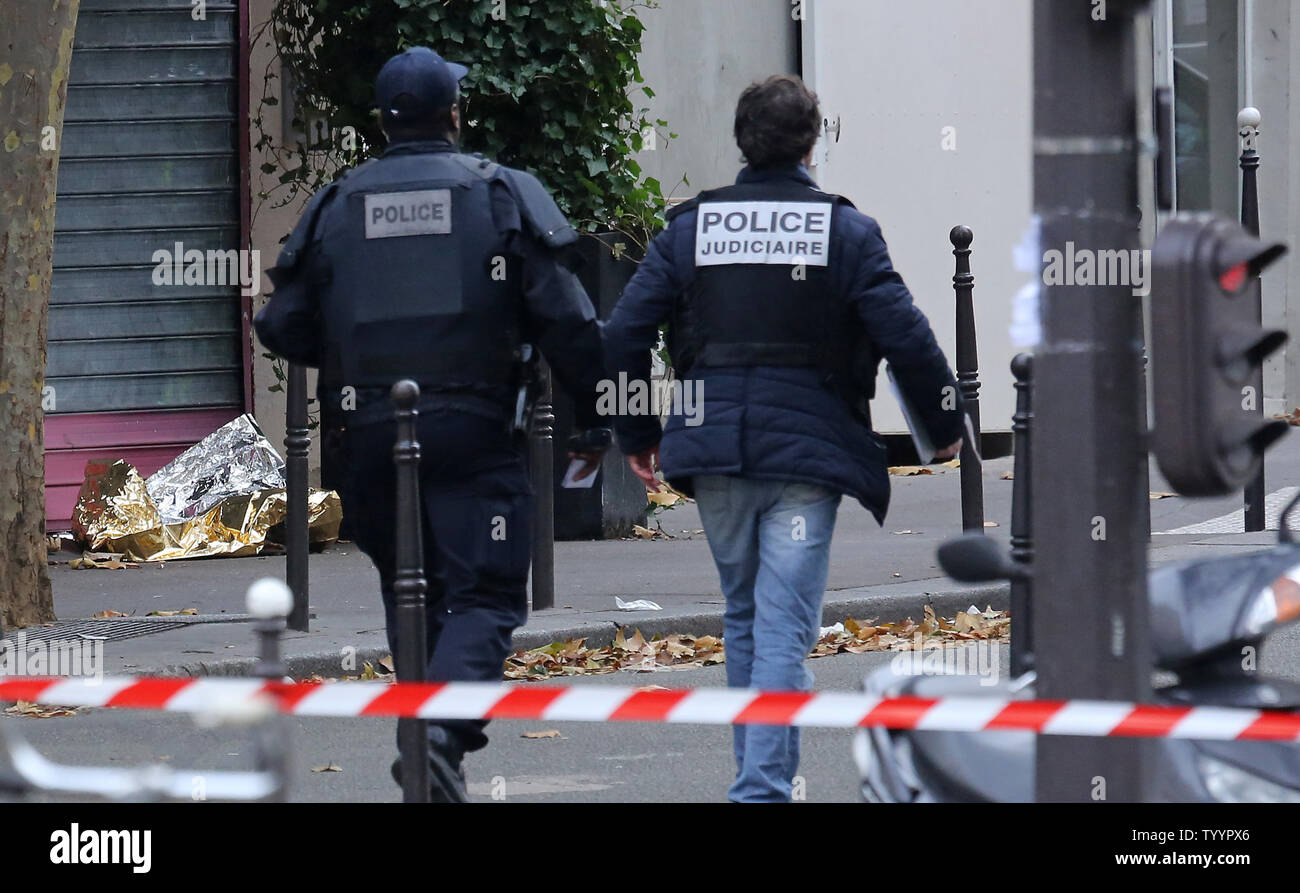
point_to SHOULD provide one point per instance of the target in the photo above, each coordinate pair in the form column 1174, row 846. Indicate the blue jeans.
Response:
column 771, row 542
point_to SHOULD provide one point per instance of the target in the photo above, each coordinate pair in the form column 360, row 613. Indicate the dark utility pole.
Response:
column 409, row 589
column 1090, row 603
column 1248, row 129
column 541, row 460
column 297, row 441
column 968, row 380
column 1022, row 530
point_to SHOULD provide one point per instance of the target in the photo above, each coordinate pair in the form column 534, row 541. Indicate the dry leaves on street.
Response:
column 39, row 711
column 1292, row 417
column 665, row 498
column 107, row 560
column 549, row 733
column 1158, row 494
column 1008, row 475
column 104, row 615
column 658, row 533
column 856, row 637
column 188, row 611
column 908, row 470
column 634, row 652
column 328, row 767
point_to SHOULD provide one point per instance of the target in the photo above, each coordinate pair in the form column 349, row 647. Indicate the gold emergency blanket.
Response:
column 115, row 514
column 223, row 496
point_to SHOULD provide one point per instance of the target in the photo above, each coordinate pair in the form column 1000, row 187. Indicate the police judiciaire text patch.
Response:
column 763, row 233
column 419, row 213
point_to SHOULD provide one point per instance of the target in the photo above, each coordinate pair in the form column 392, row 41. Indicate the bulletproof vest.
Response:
column 410, row 292
column 762, row 293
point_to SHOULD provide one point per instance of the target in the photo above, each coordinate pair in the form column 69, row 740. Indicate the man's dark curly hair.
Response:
column 777, row 122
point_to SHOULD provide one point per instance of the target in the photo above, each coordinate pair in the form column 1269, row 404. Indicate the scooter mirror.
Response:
column 974, row 558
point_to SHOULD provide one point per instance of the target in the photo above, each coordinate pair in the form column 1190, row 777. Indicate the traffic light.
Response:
column 1206, row 348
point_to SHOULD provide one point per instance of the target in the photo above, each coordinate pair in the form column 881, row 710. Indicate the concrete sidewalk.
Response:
column 888, row 573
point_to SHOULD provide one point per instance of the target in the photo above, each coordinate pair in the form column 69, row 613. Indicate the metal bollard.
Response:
column 409, row 588
column 1248, row 129
column 1022, row 540
column 541, row 456
column 270, row 600
column 297, row 441
column 963, row 283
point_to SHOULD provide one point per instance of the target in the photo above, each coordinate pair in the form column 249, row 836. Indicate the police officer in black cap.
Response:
column 444, row 268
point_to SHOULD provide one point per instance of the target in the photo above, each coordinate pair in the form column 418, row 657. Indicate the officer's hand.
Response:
column 949, row 452
column 643, row 465
column 589, row 446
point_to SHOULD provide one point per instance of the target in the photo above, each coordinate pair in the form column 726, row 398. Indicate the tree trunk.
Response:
column 34, row 59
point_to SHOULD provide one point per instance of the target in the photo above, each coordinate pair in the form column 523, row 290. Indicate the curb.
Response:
column 900, row 601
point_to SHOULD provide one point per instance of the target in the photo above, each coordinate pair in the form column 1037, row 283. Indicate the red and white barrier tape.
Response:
column 712, row 706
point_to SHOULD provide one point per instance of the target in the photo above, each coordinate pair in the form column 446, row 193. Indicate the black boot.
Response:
column 446, row 768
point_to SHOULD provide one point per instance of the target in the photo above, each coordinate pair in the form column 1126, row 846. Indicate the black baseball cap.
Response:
column 415, row 84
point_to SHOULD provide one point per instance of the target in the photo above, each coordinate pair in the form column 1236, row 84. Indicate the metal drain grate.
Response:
column 113, row 629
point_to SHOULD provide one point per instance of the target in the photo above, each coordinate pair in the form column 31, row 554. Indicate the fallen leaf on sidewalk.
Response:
column 909, row 470
column 328, row 767
column 903, row 532
column 40, row 711
column 857, row 637
column 991, row 524
column 552, row 733
column 664, row 498
column 644, row 532
column 633, row 653
column 1157, row 494
column 1008, row 475
column 107, row 560
column 930, row 623
column 188, row 611
column 103, row 614
column 952, row 463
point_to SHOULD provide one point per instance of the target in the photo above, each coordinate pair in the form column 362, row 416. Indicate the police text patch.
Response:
column 421, row 213
column 763, row 233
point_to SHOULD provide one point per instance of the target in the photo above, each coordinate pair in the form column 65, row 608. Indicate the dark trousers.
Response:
column 477, row 528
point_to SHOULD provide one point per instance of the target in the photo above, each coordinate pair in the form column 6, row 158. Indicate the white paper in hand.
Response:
column 576, row 466
column 925, row 448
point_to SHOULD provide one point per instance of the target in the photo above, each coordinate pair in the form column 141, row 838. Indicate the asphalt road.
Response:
column 590, row 762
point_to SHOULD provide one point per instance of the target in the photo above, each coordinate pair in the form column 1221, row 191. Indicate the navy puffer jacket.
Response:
column 783, row 423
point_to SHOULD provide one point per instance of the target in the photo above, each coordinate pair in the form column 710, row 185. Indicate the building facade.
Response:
column 926, row 125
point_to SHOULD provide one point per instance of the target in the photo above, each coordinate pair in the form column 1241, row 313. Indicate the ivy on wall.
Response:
column 553, row 88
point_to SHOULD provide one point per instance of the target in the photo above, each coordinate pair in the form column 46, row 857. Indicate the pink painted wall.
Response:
column 147, row 439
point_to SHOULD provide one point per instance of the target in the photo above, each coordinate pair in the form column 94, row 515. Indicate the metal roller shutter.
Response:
column 148, row 158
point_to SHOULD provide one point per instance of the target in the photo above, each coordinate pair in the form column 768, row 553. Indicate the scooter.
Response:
column 1208, row 621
